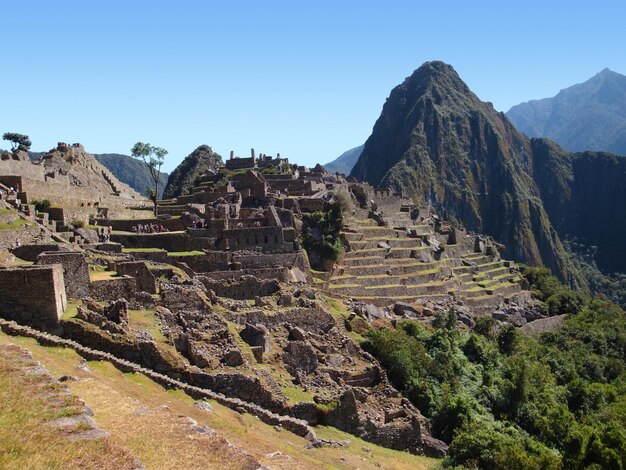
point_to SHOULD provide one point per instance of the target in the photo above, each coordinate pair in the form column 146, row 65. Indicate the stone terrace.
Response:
column 399, row 258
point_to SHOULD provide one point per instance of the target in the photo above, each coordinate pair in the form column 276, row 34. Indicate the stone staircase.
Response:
column 397, row 262
column 107, row 177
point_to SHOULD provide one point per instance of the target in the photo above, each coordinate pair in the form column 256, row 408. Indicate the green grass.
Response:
column 16, row 224
column 101, row 275
column 71, row 310
column 146, row 320
column 296, row 395
column 186, row 253
column 142, row 250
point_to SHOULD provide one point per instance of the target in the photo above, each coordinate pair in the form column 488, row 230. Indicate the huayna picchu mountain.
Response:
column 437, row 141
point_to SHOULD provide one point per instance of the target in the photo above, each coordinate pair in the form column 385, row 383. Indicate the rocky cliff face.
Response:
column 194, row 165
column 587, row 116
column 584, row 194
column 436, row 140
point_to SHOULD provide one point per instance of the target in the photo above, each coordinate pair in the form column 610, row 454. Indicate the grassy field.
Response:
column 155, row 426
column 17, row 223
column 26, row 441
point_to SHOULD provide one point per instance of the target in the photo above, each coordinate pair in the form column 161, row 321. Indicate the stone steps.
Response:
column 392, row 242
column 481, row 268
column 372, row 252
column 362, row 261
column 375, row 231
column 393, row 290
column 385, row 279
column 396, row 267
column 385, row 301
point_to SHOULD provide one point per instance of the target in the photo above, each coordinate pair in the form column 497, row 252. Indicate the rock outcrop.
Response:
column 195, row 165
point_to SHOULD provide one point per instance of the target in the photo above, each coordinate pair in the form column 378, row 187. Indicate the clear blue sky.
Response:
column 306, row 79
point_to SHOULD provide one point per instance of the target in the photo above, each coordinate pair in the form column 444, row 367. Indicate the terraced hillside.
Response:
column 414, row 260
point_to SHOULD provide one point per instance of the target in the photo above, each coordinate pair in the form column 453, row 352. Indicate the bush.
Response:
column 41, row 206
column 320, row 235
column 77, row 224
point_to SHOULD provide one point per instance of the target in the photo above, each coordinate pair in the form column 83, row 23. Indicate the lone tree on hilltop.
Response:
column 153, row 157
column 18, row 141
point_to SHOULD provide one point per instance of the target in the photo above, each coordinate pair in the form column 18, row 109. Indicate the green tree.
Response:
column 18, row 141
column 153, row 157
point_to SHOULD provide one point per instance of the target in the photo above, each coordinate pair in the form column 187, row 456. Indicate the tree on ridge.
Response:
column 153, row 157
column 19, row 141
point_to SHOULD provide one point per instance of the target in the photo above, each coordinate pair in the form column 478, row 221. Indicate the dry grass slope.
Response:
column 156, row 426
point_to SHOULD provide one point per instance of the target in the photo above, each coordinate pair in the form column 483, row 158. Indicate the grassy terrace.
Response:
column 186, row 253
column 400, row 276
column 16, row 224
column 142, row 250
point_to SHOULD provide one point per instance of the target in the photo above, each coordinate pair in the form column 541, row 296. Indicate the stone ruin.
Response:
column 225, row 279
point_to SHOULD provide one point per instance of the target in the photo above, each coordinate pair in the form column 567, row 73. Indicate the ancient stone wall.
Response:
column 31, row 252
column 113, row 289
column 26, row 234
column 75, row 271
column 281, row 274
column 310, row 205
column 244, row 287
column 239, row 163
column 211, row 261
column 167, row 241
column 313, row 320
column 144, row 279
column 34, row 295
column 126, row 225
column 249, row 260
column 269, row 238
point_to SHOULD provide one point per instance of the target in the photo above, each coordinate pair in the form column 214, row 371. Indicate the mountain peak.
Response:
column 587, row 116
column 605, row 71
column 436, row 141
column 435, row 69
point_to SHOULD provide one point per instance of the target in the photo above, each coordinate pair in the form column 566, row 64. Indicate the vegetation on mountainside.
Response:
column 190, row 170
column 153, row 157
column 131, row 171
column 320, row 235
column 506, row 400
column 607, row 286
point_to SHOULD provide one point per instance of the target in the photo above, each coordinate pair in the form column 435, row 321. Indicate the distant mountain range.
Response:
column 127, row 169
column 131, row 171
column 437, row 140
column 587, row 116
column 345, row 161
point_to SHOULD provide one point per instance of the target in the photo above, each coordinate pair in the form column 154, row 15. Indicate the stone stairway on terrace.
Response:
column 397, row 262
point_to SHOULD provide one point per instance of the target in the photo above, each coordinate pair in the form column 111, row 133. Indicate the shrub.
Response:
column 41, row 206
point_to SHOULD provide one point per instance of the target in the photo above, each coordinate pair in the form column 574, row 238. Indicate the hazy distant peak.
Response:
column 586, row 116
